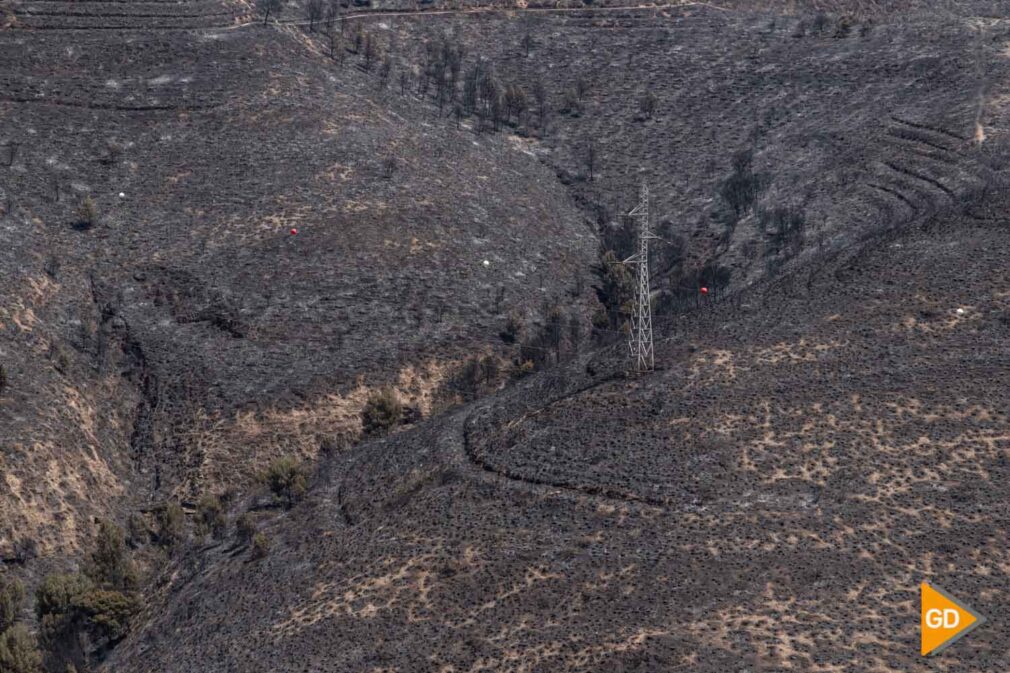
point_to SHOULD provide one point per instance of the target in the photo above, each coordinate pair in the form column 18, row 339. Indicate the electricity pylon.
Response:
column 641, row 322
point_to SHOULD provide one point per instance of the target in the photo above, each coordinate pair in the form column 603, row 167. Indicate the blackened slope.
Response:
column 202, row 149
column 769, row 499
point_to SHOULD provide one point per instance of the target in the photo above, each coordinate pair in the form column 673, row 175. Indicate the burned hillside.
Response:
column 313, row 339
column 271, row 238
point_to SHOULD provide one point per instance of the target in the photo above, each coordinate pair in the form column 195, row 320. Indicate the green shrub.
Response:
column 106, row 614
column 12, row 595
column 286, row 479
column 3, row 379
column 58, row 592
column 19, row 652
column 260, row 545
column 382, row 411
column 71, row 605
column 210, row 517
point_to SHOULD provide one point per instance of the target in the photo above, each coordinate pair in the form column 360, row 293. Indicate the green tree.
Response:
column 19, row 653
column 57, row 593
column 69, row 606
column 110, row 566
column 106, row 614
column 616, row 288
column 12, row 595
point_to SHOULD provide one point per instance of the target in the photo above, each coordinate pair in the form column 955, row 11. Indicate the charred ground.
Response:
column 836, row 176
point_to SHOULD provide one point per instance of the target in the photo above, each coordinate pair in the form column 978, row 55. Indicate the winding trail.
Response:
column 464, row 449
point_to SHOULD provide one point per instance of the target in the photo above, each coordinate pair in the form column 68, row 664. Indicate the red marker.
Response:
column 294, row 232
column 704, row 290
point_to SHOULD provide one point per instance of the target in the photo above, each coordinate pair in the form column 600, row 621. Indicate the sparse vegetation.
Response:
column 382, row 411
column 83, row 615
column 287, row 479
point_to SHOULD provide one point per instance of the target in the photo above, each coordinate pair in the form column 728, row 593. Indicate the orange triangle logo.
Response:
column 943, row 620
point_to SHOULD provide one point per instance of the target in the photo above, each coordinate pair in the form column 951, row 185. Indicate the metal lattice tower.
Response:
column 641, row 323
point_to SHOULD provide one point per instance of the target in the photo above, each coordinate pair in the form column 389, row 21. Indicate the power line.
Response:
column 641, row 323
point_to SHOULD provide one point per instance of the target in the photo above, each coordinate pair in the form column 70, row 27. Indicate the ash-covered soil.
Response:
column 768, row 499
column 852, row 118
column 277, row 235
column 188, row 336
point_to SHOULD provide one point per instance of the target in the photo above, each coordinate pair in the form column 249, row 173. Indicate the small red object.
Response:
column 704, row 290
column 294, row 232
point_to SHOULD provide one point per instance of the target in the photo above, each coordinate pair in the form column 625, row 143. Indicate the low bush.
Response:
column 382, row 411
column 286, row 479
column 260, row 546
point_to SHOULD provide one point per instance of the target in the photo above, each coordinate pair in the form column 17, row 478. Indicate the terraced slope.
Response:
column 854, row 121
column 188, row 336
column 767, row 500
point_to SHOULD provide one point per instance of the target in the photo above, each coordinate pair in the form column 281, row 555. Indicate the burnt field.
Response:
column 766, row 138
column 768, row 499
column 222, row 240
column 186, row 302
